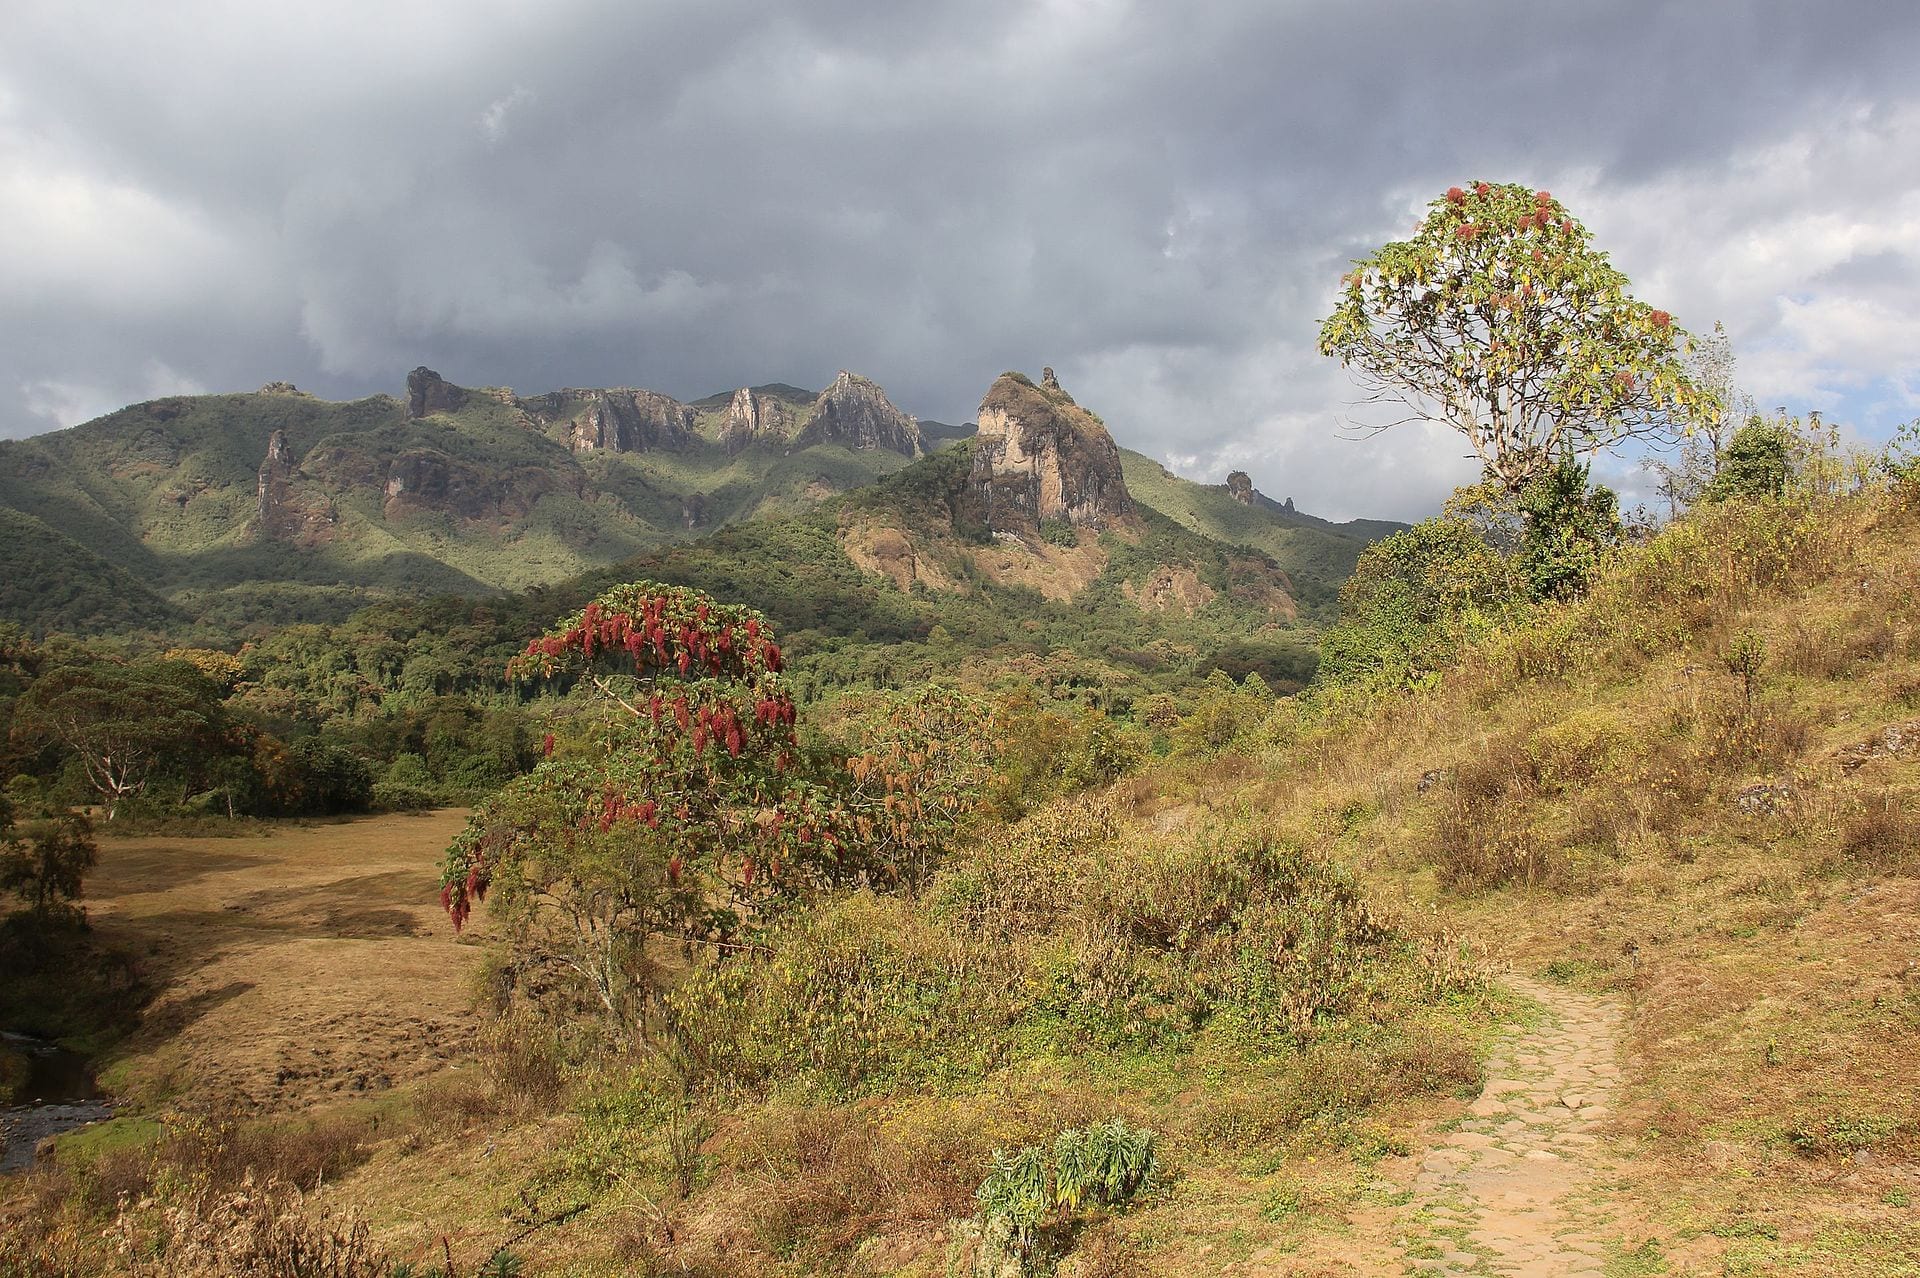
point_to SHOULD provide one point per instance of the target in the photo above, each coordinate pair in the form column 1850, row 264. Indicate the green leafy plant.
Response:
column 695, row 816
column 1501, row 320
column 1034, row 1193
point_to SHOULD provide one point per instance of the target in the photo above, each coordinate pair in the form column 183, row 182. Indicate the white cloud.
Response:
column 70, row 403
column 493, row 120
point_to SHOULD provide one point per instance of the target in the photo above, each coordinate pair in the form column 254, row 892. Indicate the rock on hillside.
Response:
column 428, row 392
column 247, row 503
column 1039, row 456
column 754, row 419
column 619, row 420
column 855, row 413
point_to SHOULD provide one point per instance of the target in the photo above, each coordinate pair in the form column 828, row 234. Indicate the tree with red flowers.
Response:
column 1500, row 319
column 692, row 815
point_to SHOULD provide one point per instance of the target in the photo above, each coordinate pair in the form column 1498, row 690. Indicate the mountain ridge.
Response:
column 233, row 509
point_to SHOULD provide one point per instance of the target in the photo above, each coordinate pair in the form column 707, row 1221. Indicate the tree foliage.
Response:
column 1755, row 463
column 691, row 811
column 45, row 860
column 122, row 721
column 1413, row 600
column 1569, row 524
column 1500, row 319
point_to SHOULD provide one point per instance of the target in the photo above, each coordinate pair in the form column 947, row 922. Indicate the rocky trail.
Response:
column 1505, row 1190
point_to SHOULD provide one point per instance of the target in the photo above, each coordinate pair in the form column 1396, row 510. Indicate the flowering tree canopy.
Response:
column 1502, row 320
column 692, row 811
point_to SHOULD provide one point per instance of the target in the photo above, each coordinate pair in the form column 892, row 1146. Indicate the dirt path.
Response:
column 1500, row 1193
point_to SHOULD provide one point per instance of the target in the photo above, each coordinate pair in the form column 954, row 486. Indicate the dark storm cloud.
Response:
column 1155, row 199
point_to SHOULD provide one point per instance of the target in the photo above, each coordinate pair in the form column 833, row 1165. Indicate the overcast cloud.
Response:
column 1155, row 199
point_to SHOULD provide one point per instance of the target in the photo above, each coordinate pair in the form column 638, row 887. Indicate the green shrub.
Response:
column 1058, row 532
column 1031, row 1199
column 1414, row 599
column 1755, row 463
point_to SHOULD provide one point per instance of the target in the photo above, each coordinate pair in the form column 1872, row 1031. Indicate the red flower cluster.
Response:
column 616, row 806
column 654, row 638
column 457, row 898
column 1660, row 319
column 1456, row 196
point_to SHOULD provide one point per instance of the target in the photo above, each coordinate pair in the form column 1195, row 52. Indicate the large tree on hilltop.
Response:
column 1500, row 319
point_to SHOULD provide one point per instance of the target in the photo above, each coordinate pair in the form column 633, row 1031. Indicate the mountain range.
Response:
column 218, row 514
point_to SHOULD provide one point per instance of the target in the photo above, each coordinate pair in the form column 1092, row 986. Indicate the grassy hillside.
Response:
column 366, row 503
column 1116, row 635
column 1319, row 554
column 67, row 587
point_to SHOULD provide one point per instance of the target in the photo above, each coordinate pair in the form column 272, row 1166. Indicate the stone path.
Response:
column 1498, row 1194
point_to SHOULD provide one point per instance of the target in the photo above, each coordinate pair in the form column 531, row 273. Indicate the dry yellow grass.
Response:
column 299, row 966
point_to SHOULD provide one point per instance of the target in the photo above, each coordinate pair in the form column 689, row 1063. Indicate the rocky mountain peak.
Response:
column 1039, row 456
column 856, row 413
column 754, row 418
column 1240, row 487
column 621, row 420
column 428, row 392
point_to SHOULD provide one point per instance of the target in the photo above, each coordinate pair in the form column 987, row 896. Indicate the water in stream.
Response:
column 60, row 1095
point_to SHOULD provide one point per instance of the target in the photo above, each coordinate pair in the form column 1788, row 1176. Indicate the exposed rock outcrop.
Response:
column 283, row 388
column 286, row 509
column 1039, row 456
column 1240, row 487
column 621, row 420
column 428, row 392
column 856, row 413
column 755, row 419
column 423, row 480
column 272, row 485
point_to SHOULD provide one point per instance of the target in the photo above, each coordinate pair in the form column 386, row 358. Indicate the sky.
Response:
column 1155, row 199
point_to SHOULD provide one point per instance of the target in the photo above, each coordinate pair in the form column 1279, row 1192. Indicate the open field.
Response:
column 298, row 966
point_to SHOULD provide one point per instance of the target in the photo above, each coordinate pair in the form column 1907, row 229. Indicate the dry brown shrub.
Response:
column 1331, row 1083
column 1883, row 833
column 1474, row 850
column 1837, row 651
column 1101, row 1253
column 304, row 1152
column 454, row 1101
column 39, row 1246
column 253, row 1230
column 524, row 1061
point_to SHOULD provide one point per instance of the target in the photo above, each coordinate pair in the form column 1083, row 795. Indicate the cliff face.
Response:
column 428, row 392
column 754, row 419
column 286, row 509
column 621, row 420
column 856, row 413
column 1039, row 456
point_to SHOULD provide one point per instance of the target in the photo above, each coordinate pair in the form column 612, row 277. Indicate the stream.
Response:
column 60, row 1095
